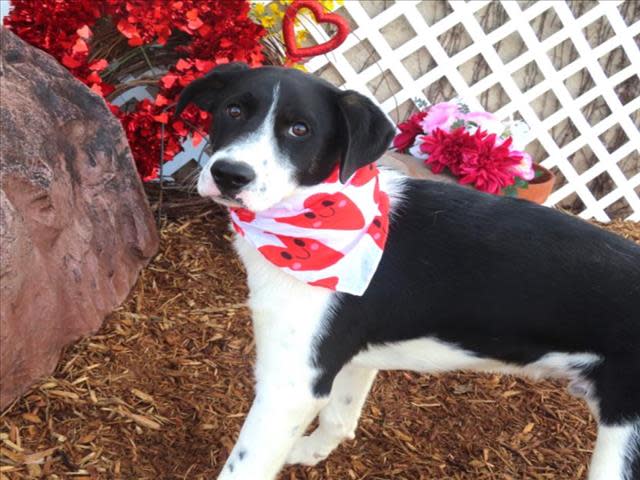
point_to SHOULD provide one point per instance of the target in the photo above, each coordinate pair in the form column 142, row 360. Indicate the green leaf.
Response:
column 538, row 173
column 510, row 191
column 457, row 124
column 420, row 103
column 520, row 183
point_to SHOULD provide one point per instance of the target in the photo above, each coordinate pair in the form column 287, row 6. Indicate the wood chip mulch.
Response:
column 161, row 390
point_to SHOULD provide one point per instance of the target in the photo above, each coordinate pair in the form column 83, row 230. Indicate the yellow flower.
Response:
column 268, row 21
column 299, row 66
column 328, row 5
column 276, row 10
column 301, row 35
column 258, row 9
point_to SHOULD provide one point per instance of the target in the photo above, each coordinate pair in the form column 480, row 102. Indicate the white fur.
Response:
column 339, row 419
column 274, row 172
column 392, row 182
column 431, row 355
column 613, row 448
column 287, row 316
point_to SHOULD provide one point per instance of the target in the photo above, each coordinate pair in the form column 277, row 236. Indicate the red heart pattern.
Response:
column 300, row 254
column 335, row 211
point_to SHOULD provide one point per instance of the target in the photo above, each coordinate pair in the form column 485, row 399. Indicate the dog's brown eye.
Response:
column 299, row 129
column 234, row 111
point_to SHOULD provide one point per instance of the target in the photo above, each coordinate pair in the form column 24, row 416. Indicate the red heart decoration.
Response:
column 296, row 52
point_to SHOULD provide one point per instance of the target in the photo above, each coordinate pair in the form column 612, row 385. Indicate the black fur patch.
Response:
column 344, row 127
column 504, row 278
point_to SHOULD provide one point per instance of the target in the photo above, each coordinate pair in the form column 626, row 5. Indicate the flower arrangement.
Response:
column 159, row 46
column 476, row 147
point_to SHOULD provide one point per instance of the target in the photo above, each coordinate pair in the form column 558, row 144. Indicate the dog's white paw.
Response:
column 308, row 451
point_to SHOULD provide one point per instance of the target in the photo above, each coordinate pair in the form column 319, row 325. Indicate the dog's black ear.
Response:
column 368, row 133
column 204, row 91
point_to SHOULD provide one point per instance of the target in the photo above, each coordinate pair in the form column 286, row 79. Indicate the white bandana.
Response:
column 330, row 236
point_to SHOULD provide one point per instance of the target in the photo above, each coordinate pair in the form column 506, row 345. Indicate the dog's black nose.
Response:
column 231, row 176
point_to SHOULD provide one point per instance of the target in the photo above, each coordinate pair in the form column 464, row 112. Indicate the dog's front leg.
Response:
column 285, row 403
column 279, row 415
column 339, row 419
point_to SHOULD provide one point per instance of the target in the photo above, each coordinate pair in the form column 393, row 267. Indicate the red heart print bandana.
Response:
column 331, row 235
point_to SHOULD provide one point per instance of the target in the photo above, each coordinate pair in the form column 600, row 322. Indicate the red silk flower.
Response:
column 409, row 130
column 489, row 164
column 447, row 149
column 206, row 34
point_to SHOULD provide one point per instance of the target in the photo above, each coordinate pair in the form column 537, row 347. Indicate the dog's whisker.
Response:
column 193, row 184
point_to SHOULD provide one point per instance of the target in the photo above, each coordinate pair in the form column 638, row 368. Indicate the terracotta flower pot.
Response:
column 540, row 187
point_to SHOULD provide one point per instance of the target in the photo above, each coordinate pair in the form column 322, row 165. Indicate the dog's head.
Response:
column 278, row 130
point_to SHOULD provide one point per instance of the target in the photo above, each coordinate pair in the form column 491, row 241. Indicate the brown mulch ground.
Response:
column 160, row 393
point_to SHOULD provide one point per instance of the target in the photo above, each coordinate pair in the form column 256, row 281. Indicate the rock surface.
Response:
column 75, row 225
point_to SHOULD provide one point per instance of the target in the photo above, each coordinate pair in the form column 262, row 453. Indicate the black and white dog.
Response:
column 457, row 265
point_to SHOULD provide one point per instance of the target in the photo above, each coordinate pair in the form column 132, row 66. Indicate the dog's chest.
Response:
column 288, row 315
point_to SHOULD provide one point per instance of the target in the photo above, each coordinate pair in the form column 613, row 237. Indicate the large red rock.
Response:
column 75, row 226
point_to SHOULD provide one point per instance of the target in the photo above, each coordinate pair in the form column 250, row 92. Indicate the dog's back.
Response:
column 513, row 269
column 502, row 278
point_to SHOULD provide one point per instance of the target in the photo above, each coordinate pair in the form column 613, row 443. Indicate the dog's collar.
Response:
column 330, row 236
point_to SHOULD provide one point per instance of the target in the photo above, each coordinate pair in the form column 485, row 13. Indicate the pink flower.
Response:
column 442, row 116
column 409, row 130
column 524, row 169
column 469, row 144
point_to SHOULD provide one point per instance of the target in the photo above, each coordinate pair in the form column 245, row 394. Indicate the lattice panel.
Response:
column 568, row 69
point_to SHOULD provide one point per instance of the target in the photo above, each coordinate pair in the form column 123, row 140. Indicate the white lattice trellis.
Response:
column 376, row 26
